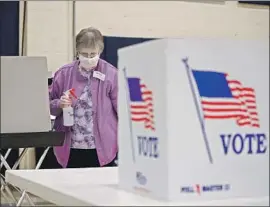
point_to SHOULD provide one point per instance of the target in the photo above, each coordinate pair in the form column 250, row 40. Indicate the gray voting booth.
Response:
column 24, row 95
column 25, row 113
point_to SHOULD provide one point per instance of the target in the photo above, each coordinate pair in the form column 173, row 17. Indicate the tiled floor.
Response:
column 37, row 201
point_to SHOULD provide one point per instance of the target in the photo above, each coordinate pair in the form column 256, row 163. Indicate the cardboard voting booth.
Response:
column 24, row 95
column 194, row 119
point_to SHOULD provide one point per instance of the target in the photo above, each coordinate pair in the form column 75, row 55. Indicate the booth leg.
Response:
column 40, row 161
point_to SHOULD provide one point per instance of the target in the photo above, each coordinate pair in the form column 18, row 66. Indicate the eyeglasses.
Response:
column 85, row 54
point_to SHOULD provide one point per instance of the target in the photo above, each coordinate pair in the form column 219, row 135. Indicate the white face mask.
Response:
column 88, row 63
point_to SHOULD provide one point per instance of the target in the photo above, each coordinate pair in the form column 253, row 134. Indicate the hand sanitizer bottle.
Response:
column 68, row 112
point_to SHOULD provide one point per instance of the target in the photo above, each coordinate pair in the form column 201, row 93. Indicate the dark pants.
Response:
column 80, row 158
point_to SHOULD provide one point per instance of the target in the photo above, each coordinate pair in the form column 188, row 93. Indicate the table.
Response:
column 25, row 140
column 93, row 186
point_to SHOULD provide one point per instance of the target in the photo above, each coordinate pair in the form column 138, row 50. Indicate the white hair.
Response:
column 89, row 38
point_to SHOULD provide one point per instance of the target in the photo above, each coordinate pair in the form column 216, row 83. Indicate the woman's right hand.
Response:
column 65, row 101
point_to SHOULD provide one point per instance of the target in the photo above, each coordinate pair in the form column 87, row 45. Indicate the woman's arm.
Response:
column 114, row 92
column 54, row 95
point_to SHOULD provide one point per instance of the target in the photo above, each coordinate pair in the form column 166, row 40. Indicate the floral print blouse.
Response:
column 82, row 130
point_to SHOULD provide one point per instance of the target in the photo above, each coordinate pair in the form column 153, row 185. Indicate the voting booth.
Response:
column 24, row 95
column 25, row 114
column 194, row 119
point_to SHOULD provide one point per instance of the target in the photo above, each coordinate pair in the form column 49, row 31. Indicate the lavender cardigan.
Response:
column 104, row 98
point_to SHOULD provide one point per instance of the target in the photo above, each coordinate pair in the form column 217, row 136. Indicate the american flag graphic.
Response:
column 141, row 106
column 225, row 98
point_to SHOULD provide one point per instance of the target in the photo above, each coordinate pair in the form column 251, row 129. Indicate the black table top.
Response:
column 31, row 139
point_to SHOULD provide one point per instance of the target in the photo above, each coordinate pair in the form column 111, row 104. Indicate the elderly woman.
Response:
column 92, row 140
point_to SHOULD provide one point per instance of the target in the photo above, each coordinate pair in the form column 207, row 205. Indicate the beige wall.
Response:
column 49, row 23
column 49, row 31
column 173, row 19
